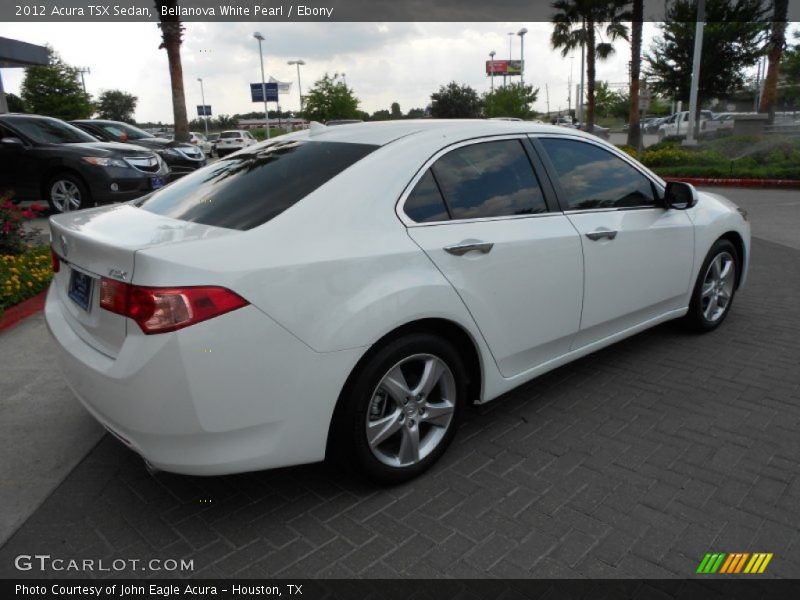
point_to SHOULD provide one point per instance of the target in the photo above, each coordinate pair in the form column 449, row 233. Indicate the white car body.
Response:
column 233, row 140
column 338, row 271
column 199, row 140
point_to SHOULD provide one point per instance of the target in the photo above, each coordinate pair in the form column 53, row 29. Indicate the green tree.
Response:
column 171, row 40
column 513, row 100
column 396, row 112
column 380, row 115
column 415, row 113
column 634, row 128
column 224, row 122
column 15, row 104
column 605, row 99
column 330, row 99
column 775, row 47
column 116, row 105
column 455, row 101
column 732, row 41
column 54, row 90
column 579, row 24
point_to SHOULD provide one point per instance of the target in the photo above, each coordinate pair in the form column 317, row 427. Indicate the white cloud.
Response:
column 383, row 62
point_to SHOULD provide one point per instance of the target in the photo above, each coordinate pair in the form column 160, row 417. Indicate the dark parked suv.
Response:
column 181, row 158
column 46, row 157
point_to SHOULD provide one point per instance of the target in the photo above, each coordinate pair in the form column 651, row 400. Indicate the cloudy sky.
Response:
column 387, row 62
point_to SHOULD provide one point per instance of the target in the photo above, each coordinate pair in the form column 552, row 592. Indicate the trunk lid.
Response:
column 103, row 242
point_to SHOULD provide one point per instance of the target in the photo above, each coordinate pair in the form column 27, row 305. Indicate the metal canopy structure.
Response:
column 14, row 53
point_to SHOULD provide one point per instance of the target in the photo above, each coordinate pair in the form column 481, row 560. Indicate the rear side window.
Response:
column 593, row 178
column 425, row 203
column 250, row 188
column 489, row 179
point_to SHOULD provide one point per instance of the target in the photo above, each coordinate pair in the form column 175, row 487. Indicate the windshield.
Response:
column 45, row 130
column 124, row 132
column 250, row 188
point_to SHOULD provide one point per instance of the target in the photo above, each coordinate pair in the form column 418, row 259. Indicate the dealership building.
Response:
column 14, row 53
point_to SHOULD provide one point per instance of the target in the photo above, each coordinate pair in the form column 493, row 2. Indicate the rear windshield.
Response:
column 250, row 188
column 230, row 134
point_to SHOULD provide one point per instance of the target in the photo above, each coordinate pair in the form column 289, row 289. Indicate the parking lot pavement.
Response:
column 632, row 462
column 44, row 433
column 619, row 139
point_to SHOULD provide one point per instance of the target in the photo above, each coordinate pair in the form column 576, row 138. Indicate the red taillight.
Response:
column 159, row 310
column 56, row 262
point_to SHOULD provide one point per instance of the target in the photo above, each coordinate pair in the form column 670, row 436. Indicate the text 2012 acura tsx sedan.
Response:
column 350, row 289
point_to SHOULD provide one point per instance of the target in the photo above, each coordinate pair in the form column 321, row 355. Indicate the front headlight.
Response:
column 101, row 161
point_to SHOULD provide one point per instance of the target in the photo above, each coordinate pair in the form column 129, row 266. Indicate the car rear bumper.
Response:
column 232, row 394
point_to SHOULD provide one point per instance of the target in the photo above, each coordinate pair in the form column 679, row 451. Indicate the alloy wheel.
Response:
column 65, row 195
column 718, row 284
column 411, row 410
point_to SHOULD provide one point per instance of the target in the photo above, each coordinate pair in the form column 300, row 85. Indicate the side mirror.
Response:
column 12, row 143
column 679, row 195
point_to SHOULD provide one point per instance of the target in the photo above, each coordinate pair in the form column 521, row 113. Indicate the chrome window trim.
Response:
column 408, row 222
column 625, row 157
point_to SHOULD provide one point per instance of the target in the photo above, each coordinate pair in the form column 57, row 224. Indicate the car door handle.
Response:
column 462, row 249
column 599, row 234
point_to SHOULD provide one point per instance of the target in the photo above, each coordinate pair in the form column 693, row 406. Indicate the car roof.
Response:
column 380, row 133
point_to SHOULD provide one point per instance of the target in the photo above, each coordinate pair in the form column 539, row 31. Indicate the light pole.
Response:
column 698, row 49
column 491, row 55
column 298, row 62
column 83, row 71
column 510, row 38
column 260, row 39
column 203, row 100
column 521, row 33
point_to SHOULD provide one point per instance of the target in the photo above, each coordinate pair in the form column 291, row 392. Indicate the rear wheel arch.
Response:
column 443, row 328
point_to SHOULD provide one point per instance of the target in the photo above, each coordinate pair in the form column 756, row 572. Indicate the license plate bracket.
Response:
column 156, row 182
column 80, row 289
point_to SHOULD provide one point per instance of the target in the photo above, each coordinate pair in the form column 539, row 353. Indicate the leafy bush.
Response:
column 758, row 157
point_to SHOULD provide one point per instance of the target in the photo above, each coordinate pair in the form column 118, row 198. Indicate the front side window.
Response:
column 250, row 188
column 593, row 178
column 489, row 179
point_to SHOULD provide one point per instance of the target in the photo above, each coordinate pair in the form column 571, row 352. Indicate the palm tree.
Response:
column 634, row 127
column 579, row 23
column 171, row 39
column 775, row 46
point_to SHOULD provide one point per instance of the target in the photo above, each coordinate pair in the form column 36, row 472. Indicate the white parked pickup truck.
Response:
column 677, row 125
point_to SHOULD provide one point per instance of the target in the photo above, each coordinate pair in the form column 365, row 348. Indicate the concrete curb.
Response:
column 756, row 183
column 19, row 312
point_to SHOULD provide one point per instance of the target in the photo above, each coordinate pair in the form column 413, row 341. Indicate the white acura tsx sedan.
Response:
column 348, row 290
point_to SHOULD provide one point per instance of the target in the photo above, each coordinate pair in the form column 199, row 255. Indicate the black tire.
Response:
column 698, row 318
column 69, row 181
column 349, row 435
